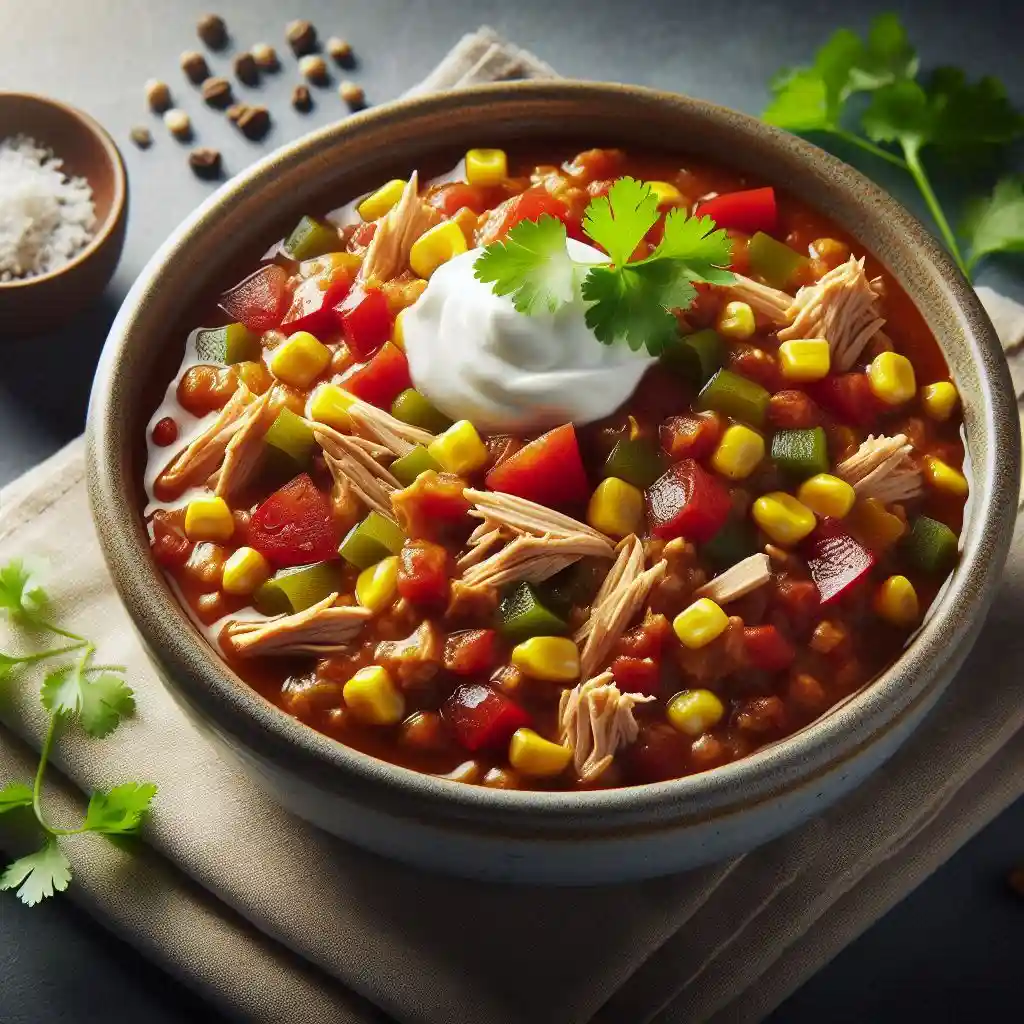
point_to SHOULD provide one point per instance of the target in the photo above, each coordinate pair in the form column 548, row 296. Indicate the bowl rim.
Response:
column 204, row 681
column 117, row 204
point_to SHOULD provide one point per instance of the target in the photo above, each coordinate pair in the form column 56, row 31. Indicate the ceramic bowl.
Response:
column 530, row 836
column 40, row 303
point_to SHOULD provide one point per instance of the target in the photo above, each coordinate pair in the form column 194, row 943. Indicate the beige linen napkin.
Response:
column 271, row 920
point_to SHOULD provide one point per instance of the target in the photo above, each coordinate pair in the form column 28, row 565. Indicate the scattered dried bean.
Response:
column 353, row 95
column 314, row 68
column 158, row 95
column 266, row 57
column 217, row 92
column 302, row 100
column 205, row 162
column 301, row 37
column 213, row 31
column 141, row 136
column 246, row 69
column 235, row 112
column 179, row 124
column 254, row 122
column 195, row 67
column 340, row 50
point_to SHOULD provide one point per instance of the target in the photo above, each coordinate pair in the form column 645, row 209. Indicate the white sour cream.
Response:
column 476, row 358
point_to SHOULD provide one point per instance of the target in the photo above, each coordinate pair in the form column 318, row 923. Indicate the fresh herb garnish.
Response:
column 995, row 223
column 97, row 698
column 627, row 300
column 955, row 119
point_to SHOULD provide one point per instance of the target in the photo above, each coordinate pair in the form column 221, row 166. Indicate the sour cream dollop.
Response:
column 475, row 357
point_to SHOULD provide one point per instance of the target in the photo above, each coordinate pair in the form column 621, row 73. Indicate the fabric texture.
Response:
column 223, row 877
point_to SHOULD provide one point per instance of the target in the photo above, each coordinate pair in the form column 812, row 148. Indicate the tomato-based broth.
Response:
column 455, row 526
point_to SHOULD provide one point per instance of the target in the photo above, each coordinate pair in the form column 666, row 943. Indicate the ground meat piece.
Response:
column 414, row 661
column 671, row 594
column 762, row 716
column 806, row 693
column 720, row 658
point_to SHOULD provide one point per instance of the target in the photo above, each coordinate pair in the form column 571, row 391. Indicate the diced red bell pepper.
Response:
column 449, row 199
column 637, row 675
column 313, row 303
column 848, row 396
column 687, row 502
column 365, row 321
column 482, row 718
column 548, row 470
column 380, row 380
column 767, row 649
column 836, row 561
column 472, row 652
column 529, row 206
column 261, row 300
column 645, row 640
column 751, row 210
column 294, row 526
column 692, row 436
column 423, row 573
column 170, row 547
column 757, row 365
column 431, row 504
column 596, row 163
column 363, row 234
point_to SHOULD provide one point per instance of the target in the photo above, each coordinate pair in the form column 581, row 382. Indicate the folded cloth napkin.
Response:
column 271, row 920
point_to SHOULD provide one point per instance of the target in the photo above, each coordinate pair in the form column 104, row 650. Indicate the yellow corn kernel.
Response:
column 736, row 320
column 486, row 166
column 805, row 360
column 330, row 404
column 943, row 477
column 693, row 712
column 738, row 453
column 939, row 400
column 892, row 379
column 209, row 519
column 299, row 360
column 665, row 192
column 460, row 449
column 467, row 221
column 436, row 246
column 874, row 525
column 827, row 495
column 377, row 586
column 896, row 601
column 244, row 572
column 533, row 755
column 785, row 520
column 555, row 659
column 371, row 695
column 699, row 624
column 616, row 508
column 381, row 201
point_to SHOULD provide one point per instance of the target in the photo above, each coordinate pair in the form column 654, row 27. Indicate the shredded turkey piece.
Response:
column 245, row 449
column 518, row 514
column 321, row 629
column 355, row 470
column 388, row 254
column 842, row 308
column 377, row 425
column 528, row 560
column 882, row 468
column 596, row 720
column 762, row 298
column 738, row 580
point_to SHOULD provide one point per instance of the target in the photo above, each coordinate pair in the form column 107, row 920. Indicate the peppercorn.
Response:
column 141, row 136
column 217, row 92
column 205, row 162
column 254, row 122
column 158, row 95
column 213, row 31
column 340, row 51
column 195, row 67
column 179, row 124
column 302, row 99
column 301, row 37
column 246, row 69
column 235, row 112
column 266, row 57
column 314, row 67
column 353, row 95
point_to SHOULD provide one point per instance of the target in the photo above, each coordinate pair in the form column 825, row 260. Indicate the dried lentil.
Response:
column 205, row 162
column 301, row 37
column 195, row 67
column 353, row 95
column 254, row 122
column 179, row 124
column 314, row 68
column 158, row 95
column 246, row 69
column 302, row 99
column 266, row 57
column 217, row 92
column 212, row 30
column 141, row 136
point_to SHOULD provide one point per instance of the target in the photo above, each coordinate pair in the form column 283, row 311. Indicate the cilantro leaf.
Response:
column 38, row 875
column 121, row 811
column 888, row 56
column 21, row 595
column 62, row 690
column 8, row 664
column 15, row 794
column 995, row 223
column 105, row 701
column 627, row 303
column 704, row 250
column 619, row 220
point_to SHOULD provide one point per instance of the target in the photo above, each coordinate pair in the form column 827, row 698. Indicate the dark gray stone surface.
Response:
column 949, row 951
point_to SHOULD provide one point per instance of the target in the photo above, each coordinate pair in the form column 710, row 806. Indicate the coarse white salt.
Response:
column 46, row 218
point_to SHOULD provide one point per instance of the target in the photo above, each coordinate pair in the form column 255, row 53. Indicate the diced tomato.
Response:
column 792, row 410
column 757, row 365
column 260, row 301
column 294, row 526
column 481, row 717
column 548, row 470
column 599, row 188
column 693, row 436
column 767, row 648
column 171, row 549
column 449, row 199
column 471, row 652
column 799, row 600
column 365, row 321
column 431, row 504
column 313, row 303
column 363, row 235
column 687, row 502
column 748, row 211
column 423, row 573
column 659, row 753
column 501, row 447
column 596, row 163
column 637, row 675
column 849, row 397
column 836, row 561
column 380, row 380
column 645, row 640
column 529, row 206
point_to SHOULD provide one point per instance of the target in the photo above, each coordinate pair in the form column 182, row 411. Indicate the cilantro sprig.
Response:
column 627, row 300
column 956, row 121
column 97, row 699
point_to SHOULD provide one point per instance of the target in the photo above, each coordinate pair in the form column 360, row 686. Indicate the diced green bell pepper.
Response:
column 800, row 454
column 733, row 542
column 232, row 344
column 371, row 541
column 637, row 461
column 292, row 436
column 696, row 356
column 522, row 615
column 573, row 587
column 294, row 590
column 408, row 467
column 734, row 396
column 310, row 238
column 931, row 546
column 774, row 261
column 411, row 407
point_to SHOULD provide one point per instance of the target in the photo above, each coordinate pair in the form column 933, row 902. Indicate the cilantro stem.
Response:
column 44, row 756
column 42, row 624
column 925, row 186
column 105, row 668
column 31, row 659
column 870, row 147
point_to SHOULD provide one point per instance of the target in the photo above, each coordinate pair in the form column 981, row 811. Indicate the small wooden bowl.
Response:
column 40, row 303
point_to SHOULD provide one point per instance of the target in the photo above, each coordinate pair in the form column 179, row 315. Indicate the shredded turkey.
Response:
column 739, row 580
column 321, row 629
column 596, row 721
column 528, row 559
column 245, row 449
column 524, row 516
column 388, row 254
column 354, row 468
column 762, row 298
column 622, row 595
column 377, row 425
column 842, row 308
column 882, row 468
